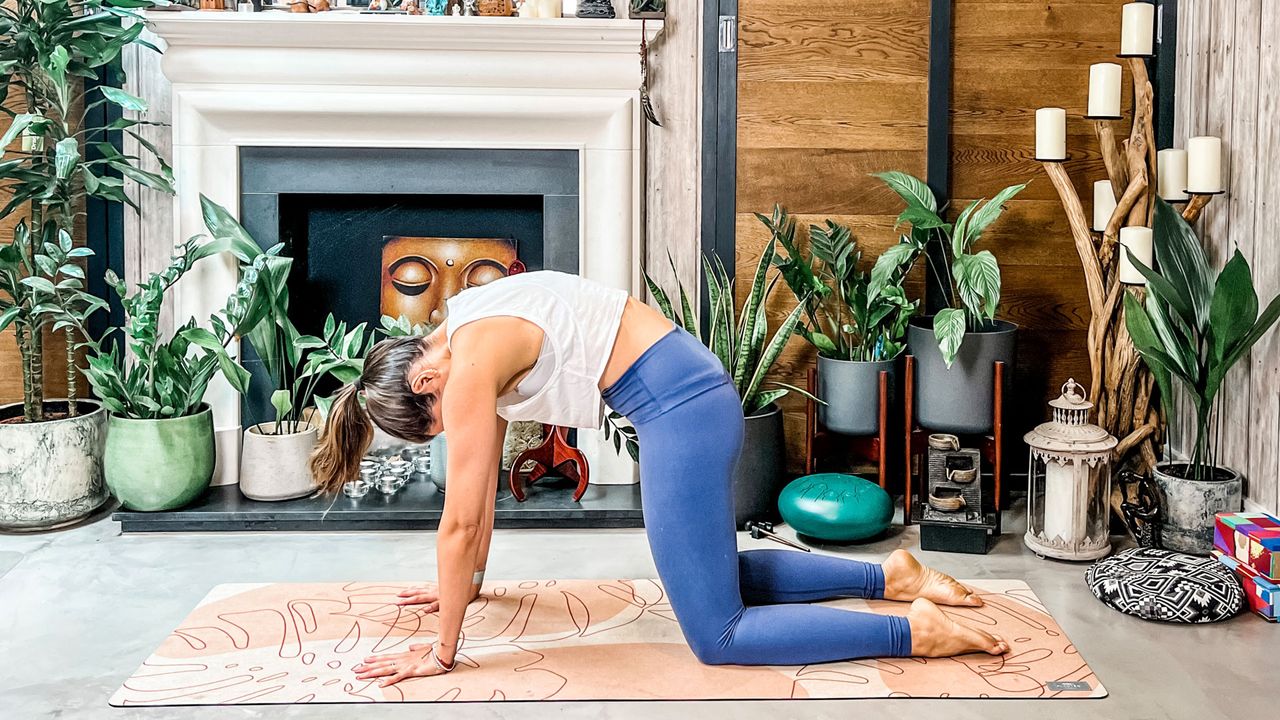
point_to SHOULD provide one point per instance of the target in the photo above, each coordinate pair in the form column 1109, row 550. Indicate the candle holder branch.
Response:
column 1195, row 206
column 1122, row 388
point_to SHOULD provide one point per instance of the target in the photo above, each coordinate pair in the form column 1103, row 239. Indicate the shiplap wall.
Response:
column 1228, row 84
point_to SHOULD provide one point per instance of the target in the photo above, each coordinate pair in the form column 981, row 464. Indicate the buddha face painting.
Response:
column 420, row 273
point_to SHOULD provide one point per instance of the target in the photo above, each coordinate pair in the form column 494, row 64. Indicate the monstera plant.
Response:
column 1193, row 328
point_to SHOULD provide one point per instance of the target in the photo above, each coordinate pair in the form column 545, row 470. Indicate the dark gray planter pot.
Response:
column 1188, row 507
column 851, row 391
column 757, row 481
column 959, row 399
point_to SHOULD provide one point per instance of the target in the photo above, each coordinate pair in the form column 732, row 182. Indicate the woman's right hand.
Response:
column 428, row 595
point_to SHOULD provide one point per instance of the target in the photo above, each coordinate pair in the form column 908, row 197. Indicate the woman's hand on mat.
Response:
column 428, row 595
column 391, row 668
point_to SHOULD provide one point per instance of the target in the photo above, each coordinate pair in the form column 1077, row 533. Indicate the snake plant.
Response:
column 740, row 339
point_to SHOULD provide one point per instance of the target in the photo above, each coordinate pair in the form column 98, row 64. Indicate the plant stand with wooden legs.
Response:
column 822, row 445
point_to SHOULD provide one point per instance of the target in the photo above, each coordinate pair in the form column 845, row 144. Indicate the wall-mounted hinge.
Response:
column 728, row 33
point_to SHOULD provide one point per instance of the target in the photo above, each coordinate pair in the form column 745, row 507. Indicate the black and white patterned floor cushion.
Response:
column 1166, row 586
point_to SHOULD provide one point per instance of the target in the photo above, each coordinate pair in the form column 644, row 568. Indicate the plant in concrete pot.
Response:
column 957, row 348
column 857, row 320
column 1194, row 328
column 742, row 342
column 159, row 451
column 51, row 468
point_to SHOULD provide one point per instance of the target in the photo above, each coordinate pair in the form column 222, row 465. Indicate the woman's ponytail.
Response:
column 346, row 437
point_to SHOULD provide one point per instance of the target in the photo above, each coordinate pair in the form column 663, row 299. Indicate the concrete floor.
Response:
column 81, row 608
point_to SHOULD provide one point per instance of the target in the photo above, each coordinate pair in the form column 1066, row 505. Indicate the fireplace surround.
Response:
column 339, row 83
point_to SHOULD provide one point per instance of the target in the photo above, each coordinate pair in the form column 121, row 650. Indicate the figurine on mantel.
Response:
column 540, row 8
column 411, row 7
column 595, row 9
column 309, row 6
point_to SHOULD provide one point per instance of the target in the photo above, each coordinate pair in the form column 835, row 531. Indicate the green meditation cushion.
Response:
column 837, row 507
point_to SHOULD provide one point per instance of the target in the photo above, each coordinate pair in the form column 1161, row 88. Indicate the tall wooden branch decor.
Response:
column 1122, row 388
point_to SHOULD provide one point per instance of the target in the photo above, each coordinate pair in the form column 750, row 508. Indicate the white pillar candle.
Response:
column 1136, row 242
column 1059, row 503
column 1104, row 203
column 1171, row 174
column 1204, row 164
column 1051, row 134
column 1104, row 90
column 1137, row 29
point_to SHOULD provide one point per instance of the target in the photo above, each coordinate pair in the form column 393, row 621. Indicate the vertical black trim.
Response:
column 938, row 153
column 104, row 220
column 719, row 144
column 1165, row 69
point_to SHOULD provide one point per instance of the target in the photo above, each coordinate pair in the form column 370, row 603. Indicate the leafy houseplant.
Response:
column 47, row 49
column 956, row 349
column 159, row 452
column 857, row 320
column 742, row 342
column 1194, row 328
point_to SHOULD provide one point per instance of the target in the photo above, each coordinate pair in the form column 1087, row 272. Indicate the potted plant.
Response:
column 51, row 470
column 856, row 320
column 741, row 340
column 159, row 450
column 1194, row 327
column 957, row 348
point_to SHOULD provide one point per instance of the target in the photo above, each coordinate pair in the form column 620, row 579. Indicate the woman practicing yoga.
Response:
column 555, row 348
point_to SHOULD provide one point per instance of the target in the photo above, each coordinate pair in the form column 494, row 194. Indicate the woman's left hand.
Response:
column 394, row 667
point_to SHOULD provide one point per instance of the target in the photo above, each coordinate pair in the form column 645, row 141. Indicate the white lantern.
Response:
column 1069, row 482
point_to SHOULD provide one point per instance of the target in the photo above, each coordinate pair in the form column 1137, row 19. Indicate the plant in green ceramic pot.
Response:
column 1194, row 328
column 957, row 348
column 51, row 471
column 857, row 320
column 159, row 452
column 741, row 340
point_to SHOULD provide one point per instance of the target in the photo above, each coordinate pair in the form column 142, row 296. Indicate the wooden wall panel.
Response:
column 1011, row 58
column 829, row 92
column 1228, row 84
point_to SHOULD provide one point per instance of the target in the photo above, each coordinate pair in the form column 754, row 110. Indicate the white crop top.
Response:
column 579, row 319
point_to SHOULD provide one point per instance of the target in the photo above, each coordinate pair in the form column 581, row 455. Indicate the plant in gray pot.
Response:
column 51, row 450
column 857, row 320
column 159, row 451
column 957, row 348
column 1194, row 328
column 742, row 342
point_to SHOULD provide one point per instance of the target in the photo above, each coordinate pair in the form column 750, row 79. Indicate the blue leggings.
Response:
column 731, row 605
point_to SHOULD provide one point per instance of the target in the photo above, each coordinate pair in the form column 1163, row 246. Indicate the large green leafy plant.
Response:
column 973, row 278
column 48, row 48
column 849, row 314
column 167, row 378
column 1192, row 326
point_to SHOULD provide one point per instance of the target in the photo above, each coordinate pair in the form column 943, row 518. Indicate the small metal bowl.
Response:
column 355, row 488
column 398, row 466
column 944, row 441
column 388, row 485
column 370, row 474
column 422, row 464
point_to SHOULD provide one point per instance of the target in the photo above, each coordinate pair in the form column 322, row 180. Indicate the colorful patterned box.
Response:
column 1262, row 593
column 1251, row 538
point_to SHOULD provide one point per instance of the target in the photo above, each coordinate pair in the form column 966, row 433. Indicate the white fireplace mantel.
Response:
column 342, row 79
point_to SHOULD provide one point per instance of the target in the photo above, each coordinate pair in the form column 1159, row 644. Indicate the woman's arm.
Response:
column 471, row 421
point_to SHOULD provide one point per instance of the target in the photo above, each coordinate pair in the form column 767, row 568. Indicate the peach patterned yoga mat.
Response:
column 559, row 640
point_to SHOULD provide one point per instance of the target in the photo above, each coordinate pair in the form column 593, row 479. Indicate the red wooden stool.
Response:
column 555, row 453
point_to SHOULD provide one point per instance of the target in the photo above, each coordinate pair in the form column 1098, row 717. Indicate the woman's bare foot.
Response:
column 906, row 579
column 933, row 634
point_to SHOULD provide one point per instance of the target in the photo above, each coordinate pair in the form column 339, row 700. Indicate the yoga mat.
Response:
column 560, row 640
